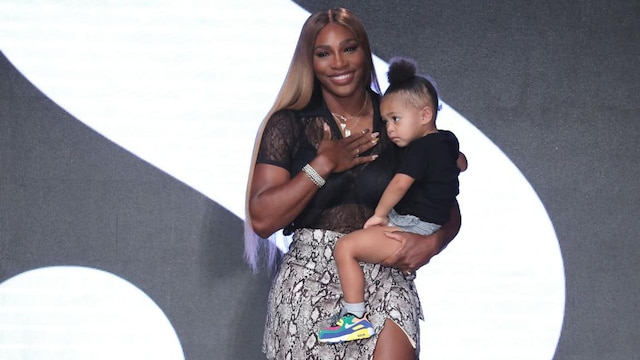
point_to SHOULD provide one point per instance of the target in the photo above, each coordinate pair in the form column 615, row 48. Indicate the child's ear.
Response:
column 427, row 114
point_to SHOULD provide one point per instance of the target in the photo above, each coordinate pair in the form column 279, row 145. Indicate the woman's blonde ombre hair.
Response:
column 295, row 94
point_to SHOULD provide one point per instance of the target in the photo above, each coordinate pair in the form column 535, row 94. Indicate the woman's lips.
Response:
column 341, row 79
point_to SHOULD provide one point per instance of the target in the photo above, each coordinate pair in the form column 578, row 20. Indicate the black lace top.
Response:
column 348, row 199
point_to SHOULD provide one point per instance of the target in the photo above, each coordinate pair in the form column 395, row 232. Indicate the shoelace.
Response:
column 333, row 320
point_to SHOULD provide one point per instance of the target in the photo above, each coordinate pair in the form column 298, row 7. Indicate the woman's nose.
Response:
column 338, row 61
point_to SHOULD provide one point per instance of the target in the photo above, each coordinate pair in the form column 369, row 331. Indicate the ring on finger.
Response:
column 357, row 152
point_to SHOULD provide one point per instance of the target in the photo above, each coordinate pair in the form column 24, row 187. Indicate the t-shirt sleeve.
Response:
column 452, row 141
column 434, row 153
column 278, row 141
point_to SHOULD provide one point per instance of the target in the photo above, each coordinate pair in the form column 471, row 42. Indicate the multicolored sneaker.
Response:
column 348, row 327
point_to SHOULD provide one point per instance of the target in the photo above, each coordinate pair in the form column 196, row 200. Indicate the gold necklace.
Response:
column 342, row 120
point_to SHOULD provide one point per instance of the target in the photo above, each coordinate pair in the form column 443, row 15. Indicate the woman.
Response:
column 321, row 163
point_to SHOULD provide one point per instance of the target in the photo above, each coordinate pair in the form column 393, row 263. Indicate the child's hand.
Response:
column 377, row 221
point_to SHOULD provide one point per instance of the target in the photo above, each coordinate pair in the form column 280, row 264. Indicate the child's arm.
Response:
column 462, row 162
column 391, row 196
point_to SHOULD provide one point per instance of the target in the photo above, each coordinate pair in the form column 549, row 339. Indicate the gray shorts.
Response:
column 412, row 224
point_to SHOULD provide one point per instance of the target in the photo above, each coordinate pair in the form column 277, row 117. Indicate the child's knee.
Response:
column 341, row 250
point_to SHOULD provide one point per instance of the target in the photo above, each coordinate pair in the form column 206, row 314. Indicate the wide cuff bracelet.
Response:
column 313, row 175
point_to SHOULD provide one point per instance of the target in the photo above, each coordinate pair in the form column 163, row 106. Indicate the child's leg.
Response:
column 367, row 245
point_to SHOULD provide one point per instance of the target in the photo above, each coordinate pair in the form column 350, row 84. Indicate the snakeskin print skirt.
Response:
column 306, row 294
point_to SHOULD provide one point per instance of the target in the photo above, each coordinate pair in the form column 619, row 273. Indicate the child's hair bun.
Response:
column 400, row 70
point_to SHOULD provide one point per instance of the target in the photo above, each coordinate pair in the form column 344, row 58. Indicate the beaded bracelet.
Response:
column 313, row 175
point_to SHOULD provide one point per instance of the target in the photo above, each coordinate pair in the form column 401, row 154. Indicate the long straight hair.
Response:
column 295, row 94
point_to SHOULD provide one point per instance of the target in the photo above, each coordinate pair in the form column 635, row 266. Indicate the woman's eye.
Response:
column 322, row 54
column 351, row 48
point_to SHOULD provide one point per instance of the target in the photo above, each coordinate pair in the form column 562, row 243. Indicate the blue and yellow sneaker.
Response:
column 348, row 327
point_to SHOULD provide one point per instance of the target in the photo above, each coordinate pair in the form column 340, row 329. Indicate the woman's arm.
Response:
column 461, row 162
column 417, row 250
column 276, row 199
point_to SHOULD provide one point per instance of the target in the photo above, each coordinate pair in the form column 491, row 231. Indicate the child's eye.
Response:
column 395, row 119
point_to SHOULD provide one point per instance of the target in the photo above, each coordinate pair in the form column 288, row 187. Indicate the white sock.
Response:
column 356, row 309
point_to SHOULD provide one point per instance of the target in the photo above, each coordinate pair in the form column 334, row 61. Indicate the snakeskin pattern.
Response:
column 306, row 294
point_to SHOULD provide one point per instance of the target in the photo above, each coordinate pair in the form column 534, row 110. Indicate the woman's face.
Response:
column 338, row 61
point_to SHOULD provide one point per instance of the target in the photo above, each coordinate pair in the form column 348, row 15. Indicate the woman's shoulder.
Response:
column 284, row 118
column 283, row 115
column 289, row 118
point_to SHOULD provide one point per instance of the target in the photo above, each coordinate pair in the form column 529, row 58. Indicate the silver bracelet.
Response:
column 313, row 175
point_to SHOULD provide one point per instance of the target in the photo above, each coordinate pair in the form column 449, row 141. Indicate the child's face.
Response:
column 404, row 122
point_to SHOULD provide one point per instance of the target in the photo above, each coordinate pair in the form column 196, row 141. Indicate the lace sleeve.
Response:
column 279, row 140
